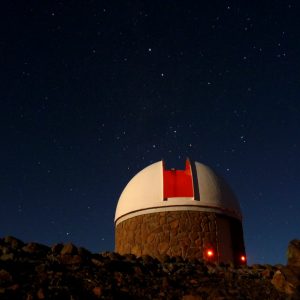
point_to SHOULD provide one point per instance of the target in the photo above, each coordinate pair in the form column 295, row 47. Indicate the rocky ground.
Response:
column 34, row 271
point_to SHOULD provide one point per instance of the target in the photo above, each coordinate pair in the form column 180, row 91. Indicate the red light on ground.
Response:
column 210, row 253
column 243, row 258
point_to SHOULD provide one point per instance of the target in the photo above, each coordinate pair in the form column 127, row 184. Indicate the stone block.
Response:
column 136, row 250
column 193, row 235
column 150, row 238
column 198, row 242
column 162, row 220
column 163, row 247
column 174, row 224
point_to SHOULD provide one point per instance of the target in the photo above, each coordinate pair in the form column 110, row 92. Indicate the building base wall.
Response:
column 176, row 233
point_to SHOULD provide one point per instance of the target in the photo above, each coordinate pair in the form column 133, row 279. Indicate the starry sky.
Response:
column 91, row 92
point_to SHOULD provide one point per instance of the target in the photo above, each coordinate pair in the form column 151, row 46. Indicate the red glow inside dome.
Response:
column 178, row 183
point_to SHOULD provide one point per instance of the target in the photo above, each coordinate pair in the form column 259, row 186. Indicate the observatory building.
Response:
column 191, row 213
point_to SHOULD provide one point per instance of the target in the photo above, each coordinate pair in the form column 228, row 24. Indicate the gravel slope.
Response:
column 34, row 271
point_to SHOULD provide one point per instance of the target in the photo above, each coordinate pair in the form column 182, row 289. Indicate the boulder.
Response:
column 293, row 254
column 68, row 259
column 56, row 248
column 282, row 284
column 13, row 242
column 35, row 248
column 97, row 291
column 5, row 276
column 69, row 249
column 6, row 257
column 84, row 252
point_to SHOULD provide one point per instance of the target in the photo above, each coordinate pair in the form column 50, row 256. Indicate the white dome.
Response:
column 146, row 192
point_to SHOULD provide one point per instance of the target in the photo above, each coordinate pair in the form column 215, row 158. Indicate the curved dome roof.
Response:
column 155, row 189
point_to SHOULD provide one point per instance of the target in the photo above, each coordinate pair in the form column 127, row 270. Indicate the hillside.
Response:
column 34, row 271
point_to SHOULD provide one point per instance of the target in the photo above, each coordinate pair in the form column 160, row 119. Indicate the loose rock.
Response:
column 68, row 249
column 68, row 272
column 293, row 253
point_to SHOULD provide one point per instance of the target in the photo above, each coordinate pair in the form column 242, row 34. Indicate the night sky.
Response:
column 91, row 92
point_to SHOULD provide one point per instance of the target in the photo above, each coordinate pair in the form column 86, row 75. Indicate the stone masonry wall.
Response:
column 175, row 233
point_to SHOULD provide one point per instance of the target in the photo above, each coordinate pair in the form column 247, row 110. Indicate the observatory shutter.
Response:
column 178, row 183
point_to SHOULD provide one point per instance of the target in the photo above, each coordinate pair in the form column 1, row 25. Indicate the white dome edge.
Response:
column 149, row 179
column 135, row 201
